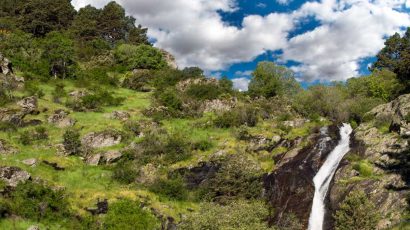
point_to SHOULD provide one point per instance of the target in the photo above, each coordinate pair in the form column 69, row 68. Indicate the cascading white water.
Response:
column 323, row 178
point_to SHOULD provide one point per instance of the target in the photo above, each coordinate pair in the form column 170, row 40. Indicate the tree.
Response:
column 40, row 17
column 112, row 22
column 395, row 56
column 356, row 212
column 271, row 80
column 59, row 52
column 138, row 35
column 225, row 84
column 85, row 24
column 140, row 57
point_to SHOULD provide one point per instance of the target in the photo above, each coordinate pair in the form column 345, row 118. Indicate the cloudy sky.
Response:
column 322, row 40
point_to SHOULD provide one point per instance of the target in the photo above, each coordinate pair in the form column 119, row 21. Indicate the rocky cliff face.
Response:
column 289, row 188
column 378, row 162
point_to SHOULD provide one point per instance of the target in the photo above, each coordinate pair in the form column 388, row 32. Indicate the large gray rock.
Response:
column 61, row 119
column 94, row 160
column 28, row 104
column 170, row 59
column 7, row 76
column 30, row 161
column 101, row 139
column 120, row 115
column 13, row 175
column 219, row 105
column 111, row 156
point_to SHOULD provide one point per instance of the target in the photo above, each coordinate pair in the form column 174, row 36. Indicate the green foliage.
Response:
column 85, row 24
column 140, row 57
column 407, row 117
column 203, row 92
column 28, row 136
column 239, row 215
column 395, row 56
column 33, row 89
column 112, row 22
column 356, row 212
column 125, row 172
column 138, row 81
column 173, row 188
column 72, row 142
column 58, row 92
column 37, row 202
column 127, row 214
column 270, row 80
column 59, row 53
column 40, row 17
column 229, row 183
column 177, row 148
column 242, row 115
column 364, row 168
column 95, row 101
column 170, row 98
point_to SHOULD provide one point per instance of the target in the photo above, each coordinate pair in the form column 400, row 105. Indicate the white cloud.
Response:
column 195, row 33
column 246, row 73
column 283, row 2
column 350, row 30
column 241, row 83
column 261, row 5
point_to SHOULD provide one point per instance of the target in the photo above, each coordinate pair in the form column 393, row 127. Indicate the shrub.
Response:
column 95, row 101
column 245, row 115
column 364, row 168
column 407, row 117
column 7, row 127
column 125, row 172
column 241, row 215
column 33, row 89
column 177, row 148
column 58, row 92
column 242, row 133
column 72, row 142
column 170, row 99
column 356, row 212
column 229, row 183
column 140, row 57
column 203, row 91
column 133, row 127
column 138, row 81
column 174, row 188
column 28, row 136
column 202, row 145
column 37, row 202
column 127, row 214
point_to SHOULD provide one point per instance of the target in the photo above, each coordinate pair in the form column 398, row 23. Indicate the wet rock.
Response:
column 101, row 139
column 13, row 176
column 289, row 188
column 94, row 160
column 111, row 156
column 120, row 115
column 60, row 119
column 30, row 161
column 28, row 105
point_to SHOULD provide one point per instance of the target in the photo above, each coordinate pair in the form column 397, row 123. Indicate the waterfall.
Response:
column 323, row 178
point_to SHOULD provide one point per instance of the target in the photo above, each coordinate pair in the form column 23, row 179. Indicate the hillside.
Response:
column 100, row 129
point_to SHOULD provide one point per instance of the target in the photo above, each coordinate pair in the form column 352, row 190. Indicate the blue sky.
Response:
column 321, row 40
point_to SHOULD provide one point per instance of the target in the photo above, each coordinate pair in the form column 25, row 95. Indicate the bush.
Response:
column 95, row 101
column 229, row 183
column 364, row 168
column 37, row 202
column 245, row 115
column 203, row 92
column 33, row 89
column 138, row 81
column 133, row 127
column 127, row 214
column 58, row 92
column 170, row 99
column 125, row 172
column 241, row 215
column 177, row 148
column 356, row 212
column 202, row 145
column 28, row 136
column 140, row 57
column 174, row 188
column 72, row 142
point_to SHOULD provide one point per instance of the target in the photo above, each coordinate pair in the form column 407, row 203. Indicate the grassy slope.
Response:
column 85, row 184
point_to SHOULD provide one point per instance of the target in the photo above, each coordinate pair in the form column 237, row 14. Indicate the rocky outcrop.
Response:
column 30, row 162
column 7, row 77
column 219, row 105
column 101, row 139
column 108, row 157
column 28, row 105
column 120, row 115
column 61, row 119
column 289, row 188
column 170, row 59
column 387, row 180
column 184, row 85
column 12, row 176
